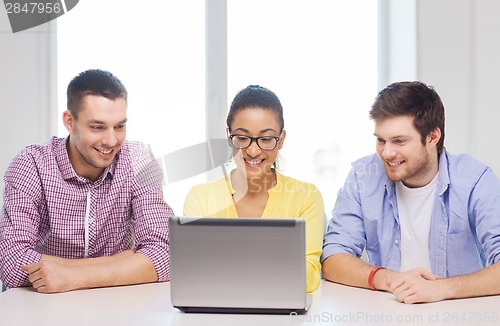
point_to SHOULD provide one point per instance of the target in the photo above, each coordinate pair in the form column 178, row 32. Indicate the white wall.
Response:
column 27, row 89
column 458, row 50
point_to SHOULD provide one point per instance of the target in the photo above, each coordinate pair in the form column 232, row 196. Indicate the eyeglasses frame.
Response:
column 255, row 139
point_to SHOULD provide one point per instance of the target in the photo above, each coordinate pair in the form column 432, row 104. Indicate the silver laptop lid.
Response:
column 238, row 263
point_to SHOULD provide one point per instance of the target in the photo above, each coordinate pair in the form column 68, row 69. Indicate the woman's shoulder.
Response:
column 288, row 179
column 289, row 183
column 215, row 185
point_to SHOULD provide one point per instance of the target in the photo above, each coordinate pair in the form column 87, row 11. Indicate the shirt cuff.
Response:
column 331, row 249
column 160, row 260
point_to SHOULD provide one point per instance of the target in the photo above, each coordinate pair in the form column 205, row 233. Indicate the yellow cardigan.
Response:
column 288, row 198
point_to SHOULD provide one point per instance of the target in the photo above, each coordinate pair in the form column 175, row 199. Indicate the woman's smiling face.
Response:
column 256, row 122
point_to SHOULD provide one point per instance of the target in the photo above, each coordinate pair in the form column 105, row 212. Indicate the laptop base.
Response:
column 262, row 311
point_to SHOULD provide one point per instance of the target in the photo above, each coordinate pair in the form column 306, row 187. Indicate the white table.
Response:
column 149, row 304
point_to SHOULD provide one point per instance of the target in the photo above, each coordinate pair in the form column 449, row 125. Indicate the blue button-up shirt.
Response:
column 465, row 224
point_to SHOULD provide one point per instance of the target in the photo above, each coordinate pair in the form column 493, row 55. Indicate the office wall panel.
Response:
column 486, row 109
column 458, row 49
column 27, row 88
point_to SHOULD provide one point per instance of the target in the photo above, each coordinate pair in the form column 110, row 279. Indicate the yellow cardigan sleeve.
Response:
column 213, row 199
column 193, row 204
column 314, row 214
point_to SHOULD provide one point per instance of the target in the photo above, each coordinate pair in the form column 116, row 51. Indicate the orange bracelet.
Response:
column 370, row 277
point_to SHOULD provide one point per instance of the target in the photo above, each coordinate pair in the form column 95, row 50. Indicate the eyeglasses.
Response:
column 265, row 143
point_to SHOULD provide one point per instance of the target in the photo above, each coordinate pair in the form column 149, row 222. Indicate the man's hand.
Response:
column 416, row 285
column 49, row 276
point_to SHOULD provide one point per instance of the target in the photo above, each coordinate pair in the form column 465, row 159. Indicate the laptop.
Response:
column 238, row 265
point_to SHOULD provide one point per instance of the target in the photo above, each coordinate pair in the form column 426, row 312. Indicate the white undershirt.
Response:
column 415, row 211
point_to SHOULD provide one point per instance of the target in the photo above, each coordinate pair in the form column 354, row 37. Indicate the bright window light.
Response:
column 318, row 56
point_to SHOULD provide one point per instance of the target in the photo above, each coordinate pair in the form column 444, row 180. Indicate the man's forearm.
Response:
column 53, row 274
column 350, row 270
column 134, row 268
column 346, row 269
column 88, row 261
column 481, row 283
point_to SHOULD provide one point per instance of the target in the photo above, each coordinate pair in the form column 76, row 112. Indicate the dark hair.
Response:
column 93, row 82
column 413, row 99
column 255, row 96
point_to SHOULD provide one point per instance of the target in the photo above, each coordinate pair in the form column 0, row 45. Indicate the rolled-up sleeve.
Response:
column 485, row 209
column 345, row 232
column 19, row 222
column 151, row 214
column 313, row 213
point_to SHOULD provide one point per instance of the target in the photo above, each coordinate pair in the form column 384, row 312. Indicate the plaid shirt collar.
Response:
column 67, row 170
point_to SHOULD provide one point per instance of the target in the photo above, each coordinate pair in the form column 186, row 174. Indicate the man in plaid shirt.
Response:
column 87, row 210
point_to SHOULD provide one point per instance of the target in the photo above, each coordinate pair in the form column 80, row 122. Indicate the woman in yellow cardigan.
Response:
column 255, row 188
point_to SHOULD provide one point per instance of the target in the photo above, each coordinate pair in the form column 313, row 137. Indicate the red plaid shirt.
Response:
column 49, row 209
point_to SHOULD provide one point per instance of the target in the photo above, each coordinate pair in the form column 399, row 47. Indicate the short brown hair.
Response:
column 413, row 99
column 93, row 82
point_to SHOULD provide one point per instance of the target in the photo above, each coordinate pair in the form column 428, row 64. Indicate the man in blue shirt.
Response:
column 428, row 220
